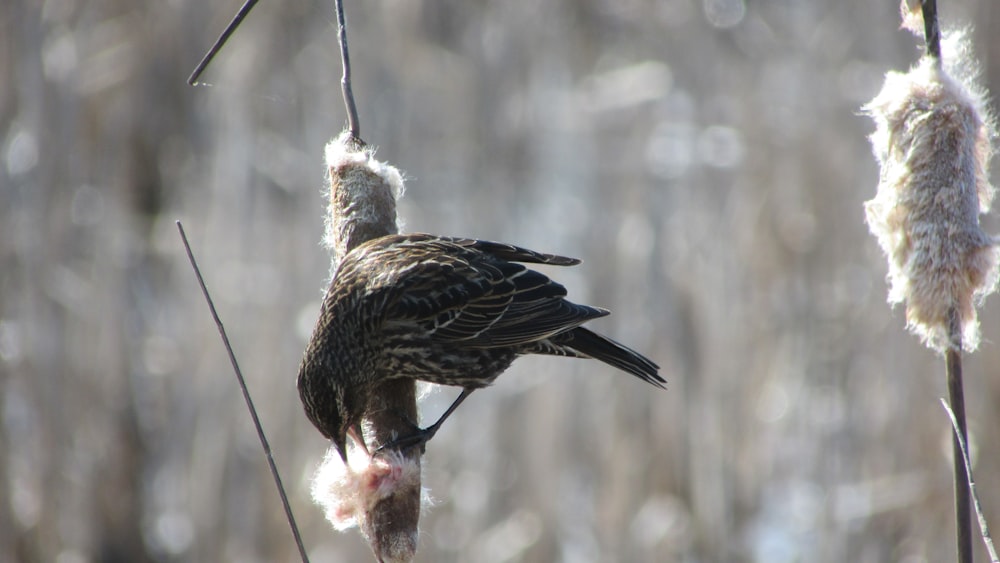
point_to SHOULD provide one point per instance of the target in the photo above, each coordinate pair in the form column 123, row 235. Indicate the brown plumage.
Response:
column 445, row 310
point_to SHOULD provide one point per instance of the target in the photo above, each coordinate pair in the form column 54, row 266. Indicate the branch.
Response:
column 345, row 82
column 237, row 19
column 246, row 396
column 353, row 124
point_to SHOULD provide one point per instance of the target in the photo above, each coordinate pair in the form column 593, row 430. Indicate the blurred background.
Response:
column 706, row 159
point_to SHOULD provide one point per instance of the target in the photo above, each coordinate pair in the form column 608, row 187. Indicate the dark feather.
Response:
column 593, row 345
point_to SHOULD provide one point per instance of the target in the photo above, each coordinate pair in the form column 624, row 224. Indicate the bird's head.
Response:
column 333, row 408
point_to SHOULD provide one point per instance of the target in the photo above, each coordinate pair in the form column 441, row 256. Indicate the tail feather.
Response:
column 593, row 345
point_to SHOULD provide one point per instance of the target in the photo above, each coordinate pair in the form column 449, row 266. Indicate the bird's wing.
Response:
column 515, row 253
column 509, row 252
column 461, row 294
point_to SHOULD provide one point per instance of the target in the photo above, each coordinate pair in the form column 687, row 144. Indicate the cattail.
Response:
column 932, row 141
column 362, row 193
column 381, row 496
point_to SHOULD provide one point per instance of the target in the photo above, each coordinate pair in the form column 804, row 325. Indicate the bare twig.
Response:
column 353, row 124
column 953, row 368
column 246, row 396
column 967, row 459
column 345, row 82
column 237, row 19
column 932, row 31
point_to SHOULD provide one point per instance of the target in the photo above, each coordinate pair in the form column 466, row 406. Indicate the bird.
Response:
column 449, row 311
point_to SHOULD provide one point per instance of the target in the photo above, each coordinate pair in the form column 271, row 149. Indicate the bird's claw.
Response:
column 419, row 437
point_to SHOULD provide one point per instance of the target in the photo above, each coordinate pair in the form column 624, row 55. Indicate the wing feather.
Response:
column 471, row 293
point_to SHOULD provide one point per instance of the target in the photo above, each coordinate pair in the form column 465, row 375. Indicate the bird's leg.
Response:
column 432, row 429
column 421, row 436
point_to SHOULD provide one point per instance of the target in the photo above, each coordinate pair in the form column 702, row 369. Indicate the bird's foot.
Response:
column 419, row 437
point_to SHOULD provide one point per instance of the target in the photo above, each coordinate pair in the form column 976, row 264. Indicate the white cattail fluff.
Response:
column 348, row 493
column 932, row 140
column 362, row 193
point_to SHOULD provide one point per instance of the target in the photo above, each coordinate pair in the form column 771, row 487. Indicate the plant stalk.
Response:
column 956, row 398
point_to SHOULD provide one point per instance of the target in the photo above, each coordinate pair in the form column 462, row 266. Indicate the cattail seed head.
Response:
column 933, row 143
column 363, row 192
column 348, row 491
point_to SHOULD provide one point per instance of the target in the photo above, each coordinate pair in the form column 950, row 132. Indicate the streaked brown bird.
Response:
column 450, row 311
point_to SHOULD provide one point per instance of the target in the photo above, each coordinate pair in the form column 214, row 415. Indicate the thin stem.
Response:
column 932, row 31
column 953, row 362
column 237, row 19
column 983, row 527
column 345, row 82
column 246, row 396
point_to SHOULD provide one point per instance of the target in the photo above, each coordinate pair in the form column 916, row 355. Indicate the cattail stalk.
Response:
column 962, row 474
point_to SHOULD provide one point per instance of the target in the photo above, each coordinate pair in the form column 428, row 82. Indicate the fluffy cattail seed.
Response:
column 348, row 491
column 911, row 13
column 932, row 141
column 362, row 193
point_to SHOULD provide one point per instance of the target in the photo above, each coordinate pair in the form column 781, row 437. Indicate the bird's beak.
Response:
column 341, row 443
column 358, row 435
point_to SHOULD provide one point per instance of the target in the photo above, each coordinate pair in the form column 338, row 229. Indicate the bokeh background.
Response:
column 706, row 158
